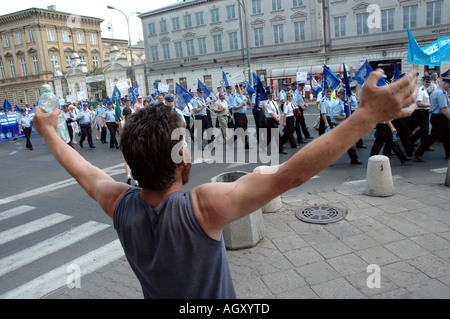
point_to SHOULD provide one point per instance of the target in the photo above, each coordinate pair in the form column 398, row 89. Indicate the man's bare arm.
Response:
column 99, row 185
column 378, row 104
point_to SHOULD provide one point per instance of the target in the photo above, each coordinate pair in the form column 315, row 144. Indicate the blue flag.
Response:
column 183, row 97
column 6, row 105
column 155, row 85
column 18, row 109
column 396, row 74
column 432, row 54
column 329, row 78
column 225, row 79
column 348, row 92
column 260, row 96
column 207, row 91
column 363, row 74
column 250, row 90
column 315, row 85
column 136, row 89
column 131, row 95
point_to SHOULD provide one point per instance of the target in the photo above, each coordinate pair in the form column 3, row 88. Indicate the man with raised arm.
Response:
column 173, row 238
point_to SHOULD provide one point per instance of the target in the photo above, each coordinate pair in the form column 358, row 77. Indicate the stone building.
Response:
column 37, row 43
column 198, row 39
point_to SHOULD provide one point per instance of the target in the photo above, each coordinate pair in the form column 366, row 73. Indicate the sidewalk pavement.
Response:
column 406, row 235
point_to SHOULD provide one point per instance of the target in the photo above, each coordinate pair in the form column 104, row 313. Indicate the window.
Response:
column 27, row 97
column 339, row 27
column 299, row 28
column 387, row 20
column 190, row 47
column 155, row 54
column 151, row 29
column 2, row 71
column 231, row 12
column 434, row 12
column 215, row 15
column 18, row 38
column 278, row 33
column 54, row 60
column 256, row 6
column 66, row 37
column 82, row 58
column 176, row 24
column 259, row 37
column 35, row 65
column 217, row 43
column 202, row 45
column 163, row 26
column 361, row 23
column 166, row 51
column 170, row 84
column 199, row 18
column 95, row 61
column 183, row 82
column 178, row 49
column 93, row 39
column 68, row 60
column 16, row 98
column 188, row 21
column 276, row 5
column 12, row 68
column 30, row 36
column 233, row 41
column 297, row 3
column 6, row 41
column 23, row 64
column 80, row 38
column 51, row 35
column 410, row 17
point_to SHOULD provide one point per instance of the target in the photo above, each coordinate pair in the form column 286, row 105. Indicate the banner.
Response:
column 9, row 128
column 236, row 78
column 433, row 54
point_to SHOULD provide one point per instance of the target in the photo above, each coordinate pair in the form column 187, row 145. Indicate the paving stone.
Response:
column 337, row 289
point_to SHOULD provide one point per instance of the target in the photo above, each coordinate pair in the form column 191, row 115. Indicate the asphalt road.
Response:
column 47, row 221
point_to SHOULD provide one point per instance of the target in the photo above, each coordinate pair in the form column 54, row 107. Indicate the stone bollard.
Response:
column 247, row 231
column 275, row 204
column 447, row 180
column 379, row 182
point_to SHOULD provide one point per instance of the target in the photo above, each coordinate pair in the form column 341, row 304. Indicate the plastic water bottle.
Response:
column 394, row 137
column 49, row 102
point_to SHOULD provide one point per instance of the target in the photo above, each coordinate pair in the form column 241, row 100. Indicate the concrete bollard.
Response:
column 379, row 182
column 447, row 180
column 247, row 231
column 275, row 204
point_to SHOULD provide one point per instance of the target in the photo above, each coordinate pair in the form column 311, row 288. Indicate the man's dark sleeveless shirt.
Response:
column 168, row 250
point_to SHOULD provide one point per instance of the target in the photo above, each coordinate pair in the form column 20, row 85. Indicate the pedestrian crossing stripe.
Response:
column 57, row 278
column 13, row 212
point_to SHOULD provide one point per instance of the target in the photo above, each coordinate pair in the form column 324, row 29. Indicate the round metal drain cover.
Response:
column 320, row 214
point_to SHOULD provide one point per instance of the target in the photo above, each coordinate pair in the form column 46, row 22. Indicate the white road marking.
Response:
column 15, row 212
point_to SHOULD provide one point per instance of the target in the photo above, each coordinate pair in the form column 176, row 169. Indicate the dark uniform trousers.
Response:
column 300, row 123
column 404, row 133
column 439, row 129
column 288, row 132
column 241, row 121
column 384, row 136
column 420, row 118
column 273, row 124
column 322, row 127
column 103, row 135
column 112, row 127
column 86, row 131
column 206, row 124
column 27, row 132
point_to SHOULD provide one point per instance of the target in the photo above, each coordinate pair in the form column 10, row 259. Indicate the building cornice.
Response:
column 45, row 14
column 174, row 7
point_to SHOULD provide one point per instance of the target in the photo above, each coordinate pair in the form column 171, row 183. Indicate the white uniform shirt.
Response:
column 423, row 97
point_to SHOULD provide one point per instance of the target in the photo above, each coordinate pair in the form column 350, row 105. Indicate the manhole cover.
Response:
column 320, row 214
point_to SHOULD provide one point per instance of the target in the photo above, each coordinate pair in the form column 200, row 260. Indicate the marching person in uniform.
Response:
column 85, row 121
column 301, row 107
column 199, row 107
column 325, row 111
column 99, row 114
column 25, row 126
column 239, row 109
column 339, row 116
column 421, row 116
column 109, row 121
column 282, row 95
column 353, row 102
column 273, row 115
column 440, row 116
column 289, row 121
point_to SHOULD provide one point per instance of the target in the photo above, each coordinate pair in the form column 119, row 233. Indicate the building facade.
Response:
column 37, row 43
column 199, row 39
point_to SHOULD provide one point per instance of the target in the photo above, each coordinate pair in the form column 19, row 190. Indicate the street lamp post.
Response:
column 241, row 3
column 129, row 37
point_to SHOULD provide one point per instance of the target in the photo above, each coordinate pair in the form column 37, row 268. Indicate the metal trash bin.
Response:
column 247, row 231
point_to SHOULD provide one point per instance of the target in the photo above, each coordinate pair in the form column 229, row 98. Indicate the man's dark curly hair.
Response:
column 147, row 144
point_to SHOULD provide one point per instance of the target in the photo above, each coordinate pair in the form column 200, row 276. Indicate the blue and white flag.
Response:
column 207, row 91
column 315, row 85
column 156, row 86
column 433, row 54
column 348, row 92
column 6, row 105
column 183, row 97
column 329, row 78
column 225, row 79
column 363, row 74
